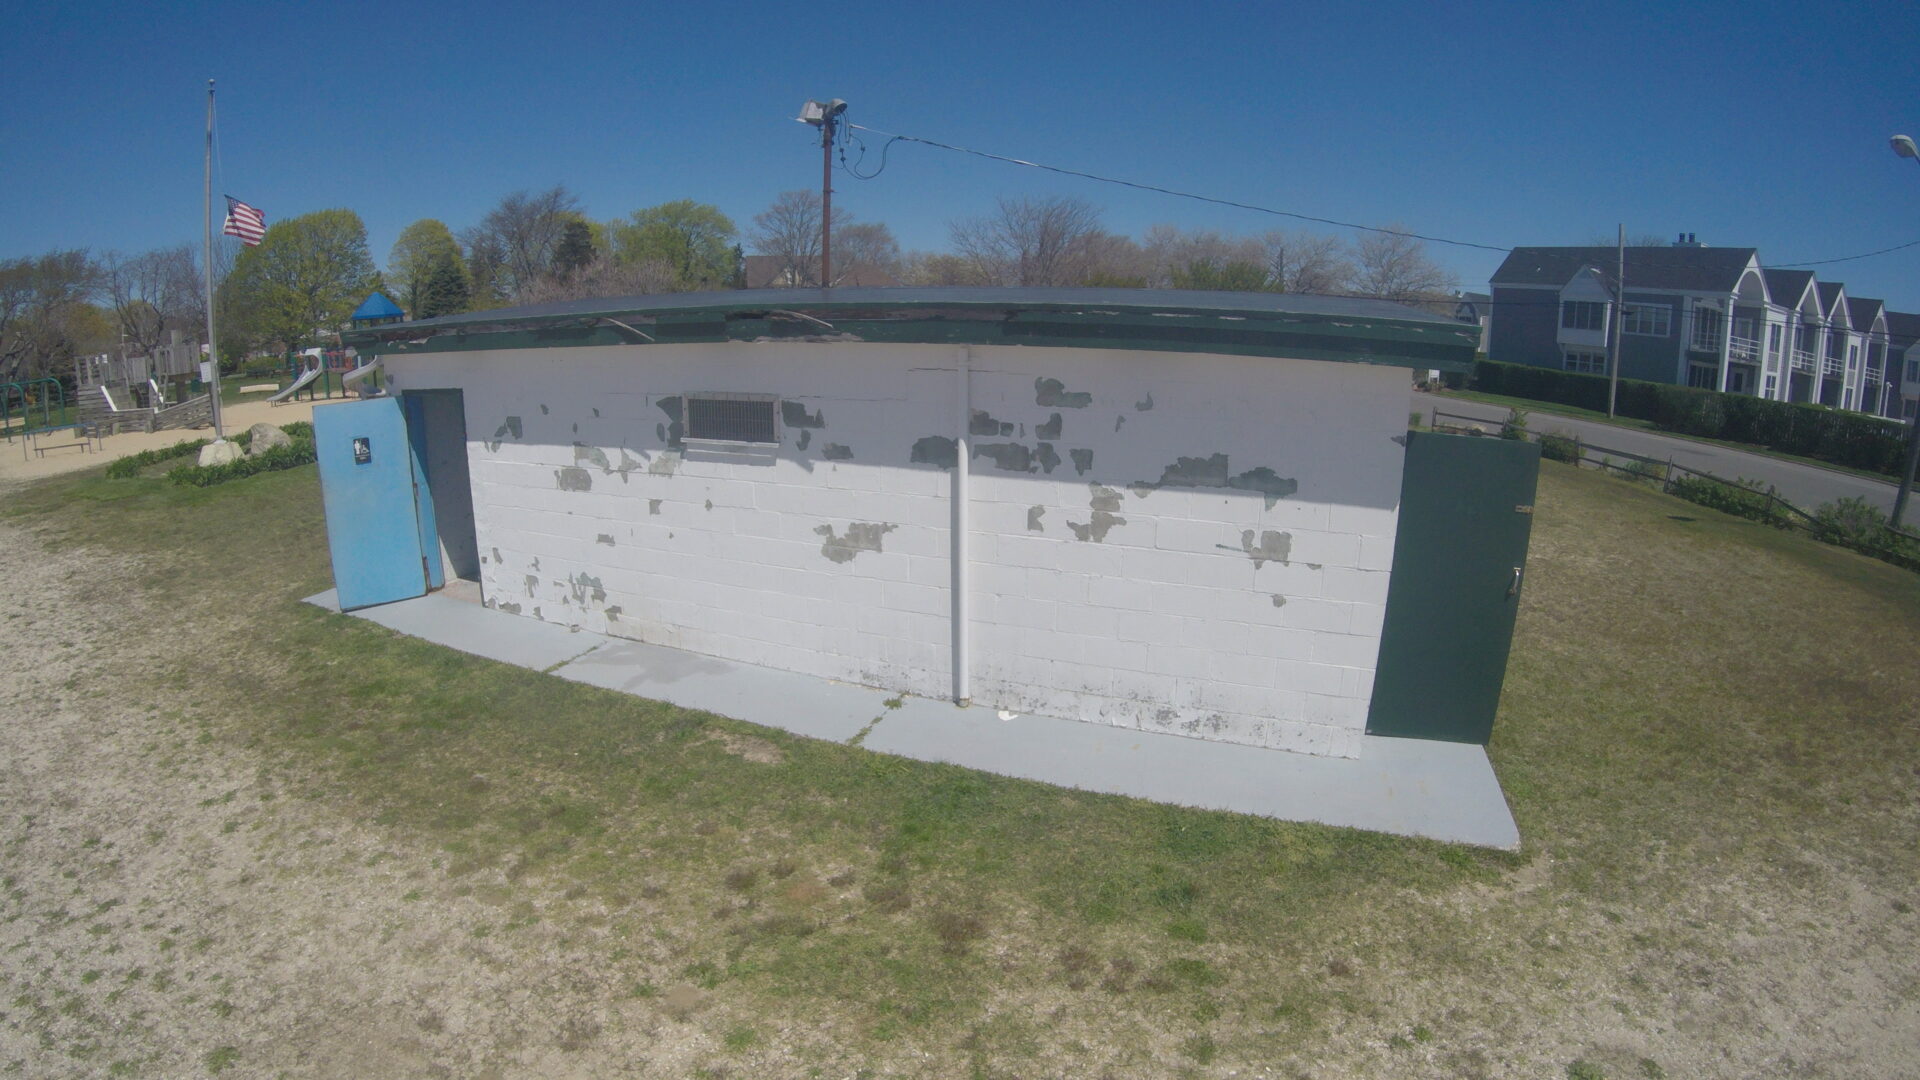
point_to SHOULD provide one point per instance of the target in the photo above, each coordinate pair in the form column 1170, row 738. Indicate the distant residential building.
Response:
column 1474, row 307
column 1710, row 317
column 1903, row 361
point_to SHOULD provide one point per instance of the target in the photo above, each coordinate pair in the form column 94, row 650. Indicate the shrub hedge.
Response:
column 299, row 452
column 126, row 468
column 1815, row 431
column 1741, row 498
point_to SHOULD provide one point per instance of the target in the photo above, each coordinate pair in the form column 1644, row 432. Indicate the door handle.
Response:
column 1513, row 587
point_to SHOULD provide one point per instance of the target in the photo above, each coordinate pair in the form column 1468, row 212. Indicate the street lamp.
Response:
column 1904, row 147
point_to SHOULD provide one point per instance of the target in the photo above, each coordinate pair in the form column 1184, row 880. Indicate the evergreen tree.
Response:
column 575, row 250
column 445, row 292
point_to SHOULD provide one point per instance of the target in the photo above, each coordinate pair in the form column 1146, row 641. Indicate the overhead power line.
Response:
column 892, row 138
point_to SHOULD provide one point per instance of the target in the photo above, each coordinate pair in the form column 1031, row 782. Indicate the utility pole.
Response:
column 826, row 200
column 825, row 115
column 1619, row 322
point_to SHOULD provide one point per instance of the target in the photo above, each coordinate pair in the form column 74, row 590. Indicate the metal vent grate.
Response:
column 731, row 419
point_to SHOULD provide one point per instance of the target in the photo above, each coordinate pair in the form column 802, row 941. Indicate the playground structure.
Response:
column 141, row 393
column 320, row 373
column 24, row 402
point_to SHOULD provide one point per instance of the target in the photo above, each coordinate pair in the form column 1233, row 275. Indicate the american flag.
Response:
column 245, row 222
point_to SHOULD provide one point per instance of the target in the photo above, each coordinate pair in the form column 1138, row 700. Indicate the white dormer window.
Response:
column 1583, row 315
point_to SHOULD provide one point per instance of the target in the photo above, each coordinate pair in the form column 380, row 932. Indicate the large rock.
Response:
column 219, row 453
column 264, row 437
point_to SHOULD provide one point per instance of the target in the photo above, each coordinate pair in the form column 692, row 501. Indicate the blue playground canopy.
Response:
column 377, row 308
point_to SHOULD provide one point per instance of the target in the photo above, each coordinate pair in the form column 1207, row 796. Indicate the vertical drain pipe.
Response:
column 962, row 455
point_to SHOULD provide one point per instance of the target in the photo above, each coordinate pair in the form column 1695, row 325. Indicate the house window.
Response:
column 1773, row 383
column 1853, row 357
column 1586, row 363
column 1913, row 371
column 1709, row 329
column 1651, row 320
column 1583, row 314
column 1702, row 377
column 734, row 418
column 1773, row 339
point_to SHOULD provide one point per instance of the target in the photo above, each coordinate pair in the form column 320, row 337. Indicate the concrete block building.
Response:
column 1197, row 513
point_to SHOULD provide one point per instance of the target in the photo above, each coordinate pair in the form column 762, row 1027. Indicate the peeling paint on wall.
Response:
column 1050, row 429
column 1145, row 404
column 1082, row 461
column 935, row 450
column 1052, row 393
column 1273, row 547
column 532, row 582
column 603, row 538
column 653, row 506
column 628, row 463
column 1278, row 600
column 672, row 431
column 510, row 427
column 982, row 422
column 497, row 557
column 1212, row 471
column 613, row 612
column 543, row 410
column 861, row 536
column 511, row 609
column 573, row 478
column 1104, row 502
column 836, row 452
column 709, row 504
column 1117, row 421
column 794, row 415
column 1048, row 459
column 1008, row 457
column 1400, row 439
column 583, row 452
column 805, row 438
column 665, row 464
column 584, row 586
column 1034, row 514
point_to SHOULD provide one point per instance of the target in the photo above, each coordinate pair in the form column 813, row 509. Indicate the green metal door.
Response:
column 1466, row 511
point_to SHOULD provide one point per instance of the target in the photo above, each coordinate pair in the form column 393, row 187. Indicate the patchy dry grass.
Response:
column 1709, row 739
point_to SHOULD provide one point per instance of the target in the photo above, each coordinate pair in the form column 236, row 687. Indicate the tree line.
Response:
column 300, row 284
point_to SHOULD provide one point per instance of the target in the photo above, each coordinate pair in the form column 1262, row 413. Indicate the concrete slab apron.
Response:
column 1409, row 787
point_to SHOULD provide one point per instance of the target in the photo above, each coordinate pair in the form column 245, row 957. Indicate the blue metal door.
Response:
column 367, row 481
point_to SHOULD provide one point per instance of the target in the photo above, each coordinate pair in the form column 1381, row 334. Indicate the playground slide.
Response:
column 299, row 384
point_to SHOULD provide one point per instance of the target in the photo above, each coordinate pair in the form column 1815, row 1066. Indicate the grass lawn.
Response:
column 1708, row 736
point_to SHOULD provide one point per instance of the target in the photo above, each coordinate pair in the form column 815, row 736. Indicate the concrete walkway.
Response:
column 1411, row 787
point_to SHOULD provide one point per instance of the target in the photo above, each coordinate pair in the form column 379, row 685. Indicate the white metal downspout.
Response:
column 962, row 454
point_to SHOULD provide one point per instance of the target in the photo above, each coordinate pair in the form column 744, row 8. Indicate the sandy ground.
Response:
column 19, row 462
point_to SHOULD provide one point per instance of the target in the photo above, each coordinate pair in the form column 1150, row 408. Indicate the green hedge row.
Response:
column 126, row 468
column 1815, row 431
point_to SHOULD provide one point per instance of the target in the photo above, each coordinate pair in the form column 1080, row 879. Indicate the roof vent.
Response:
column 1688, row 239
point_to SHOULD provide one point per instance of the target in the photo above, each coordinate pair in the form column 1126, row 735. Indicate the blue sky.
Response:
column 1502, row 124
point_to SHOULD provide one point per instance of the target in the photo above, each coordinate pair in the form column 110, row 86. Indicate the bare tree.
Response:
column 1173, row 253
column 1301, row 262
column 153, row 293
column 864, row 246
column 789, row 230
column 604, row 276
column 1031, row 241
column 513, row 246
column 938, row 268
column 1393, row 265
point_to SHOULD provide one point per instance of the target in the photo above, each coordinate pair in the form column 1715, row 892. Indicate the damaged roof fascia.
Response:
column 1351, row 331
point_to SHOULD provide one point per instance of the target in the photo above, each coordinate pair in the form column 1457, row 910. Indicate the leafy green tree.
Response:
column 445, row 291
column 418, row 256
column 575, row 250
column 694, row 241
column 303, row 280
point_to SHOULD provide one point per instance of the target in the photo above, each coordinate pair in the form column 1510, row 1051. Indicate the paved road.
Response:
column 1806, row 486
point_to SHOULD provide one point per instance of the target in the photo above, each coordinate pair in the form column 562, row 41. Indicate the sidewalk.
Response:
column 1410, row 787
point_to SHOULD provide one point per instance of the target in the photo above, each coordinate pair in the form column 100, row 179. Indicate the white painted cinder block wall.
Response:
column 1114, row 578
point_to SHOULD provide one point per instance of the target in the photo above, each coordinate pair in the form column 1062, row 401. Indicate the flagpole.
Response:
column 213, row 350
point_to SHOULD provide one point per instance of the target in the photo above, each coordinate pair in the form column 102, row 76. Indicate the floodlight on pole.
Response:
column 1904, row 146
column 825, row 115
